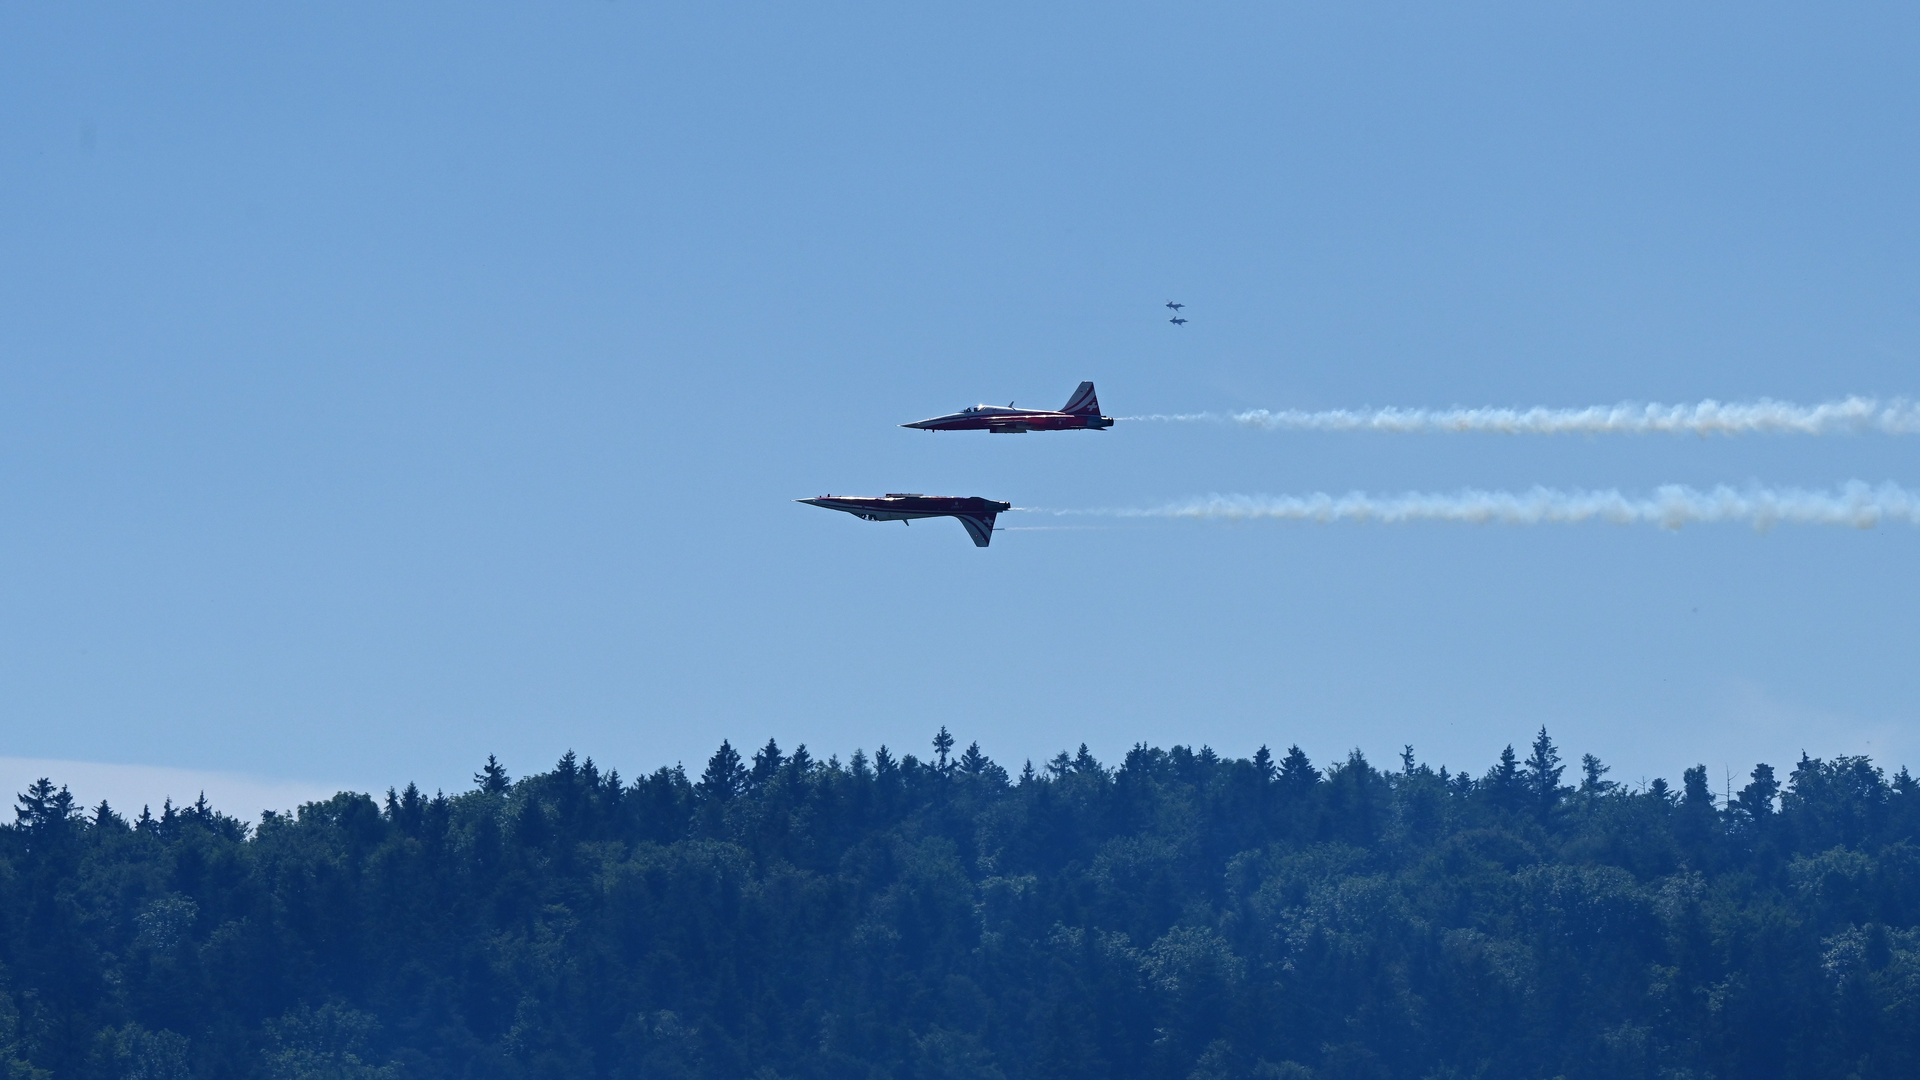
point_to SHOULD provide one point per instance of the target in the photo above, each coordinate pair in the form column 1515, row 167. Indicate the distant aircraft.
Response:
column 975, row 513
column 1082, row 410
column 1175, row 307
column 1177, row 321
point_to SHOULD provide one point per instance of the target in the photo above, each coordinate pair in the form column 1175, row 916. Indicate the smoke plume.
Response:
column 1854, row 504
column 1853, row 414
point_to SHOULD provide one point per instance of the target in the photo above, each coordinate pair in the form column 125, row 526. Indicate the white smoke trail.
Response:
column 1853, row 414
column 1854, row 504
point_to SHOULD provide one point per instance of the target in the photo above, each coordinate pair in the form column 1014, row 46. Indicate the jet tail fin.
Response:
column 1082, row 403
column 979, row 526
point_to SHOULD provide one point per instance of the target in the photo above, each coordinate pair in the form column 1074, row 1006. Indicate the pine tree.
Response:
column 973, row 762
column 726, row 776
column 1543, row 774
column 766, row 765
column 1297, row 774
column 942, row 742
column 32, row 811
column 1503, row 785
column 413, row 809
column 1084, row 764
column 1593, row 776
column 492, row 777
column 43, row 808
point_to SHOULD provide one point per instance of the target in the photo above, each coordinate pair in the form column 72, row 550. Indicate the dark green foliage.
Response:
column 1180, row 916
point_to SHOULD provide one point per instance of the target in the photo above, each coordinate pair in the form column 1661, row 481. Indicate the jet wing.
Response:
column 979, row 526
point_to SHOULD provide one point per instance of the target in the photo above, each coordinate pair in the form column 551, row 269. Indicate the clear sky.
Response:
column 383, row 386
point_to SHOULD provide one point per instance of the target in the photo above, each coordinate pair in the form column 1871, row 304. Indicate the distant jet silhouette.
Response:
column 1177, row 321
column 1175, row 307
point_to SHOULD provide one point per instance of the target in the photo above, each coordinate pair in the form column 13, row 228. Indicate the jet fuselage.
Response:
column 975, row 513
column 1008, row 421
column 1080, row 413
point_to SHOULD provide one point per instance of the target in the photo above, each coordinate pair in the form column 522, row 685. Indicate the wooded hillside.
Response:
column 1177, row 915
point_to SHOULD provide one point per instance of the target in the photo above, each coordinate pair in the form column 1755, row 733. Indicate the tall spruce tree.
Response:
column 726, row 777
column 492, row 777
column 1543, row 774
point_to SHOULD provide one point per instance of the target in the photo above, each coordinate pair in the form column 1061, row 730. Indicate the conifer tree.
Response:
column 1084, row 763
column 973, row 762
column 492, row 777
column 726, row 776
column 1504, row 787
column 1593, row 774
column 1543, row 774
column 766, row 765
column 1297, row 774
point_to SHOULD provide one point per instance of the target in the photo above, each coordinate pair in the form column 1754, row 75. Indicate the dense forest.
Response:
column 1179, row 915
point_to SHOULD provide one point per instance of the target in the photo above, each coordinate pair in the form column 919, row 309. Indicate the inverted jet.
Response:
column 1082, row 411
column 975, row 513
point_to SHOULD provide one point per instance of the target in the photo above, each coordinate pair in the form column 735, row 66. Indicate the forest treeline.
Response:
column 1177, row 915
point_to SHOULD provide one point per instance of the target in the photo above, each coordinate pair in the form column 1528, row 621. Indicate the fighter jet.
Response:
column 1082, row 410
column 1177, row 321
column 1176, row 307
column 974, row 512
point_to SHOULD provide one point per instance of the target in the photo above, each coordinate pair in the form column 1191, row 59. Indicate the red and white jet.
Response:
column 1081, row 412
column 975, row 513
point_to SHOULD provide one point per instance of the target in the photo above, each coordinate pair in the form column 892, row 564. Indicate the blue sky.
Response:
column 385, row 387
